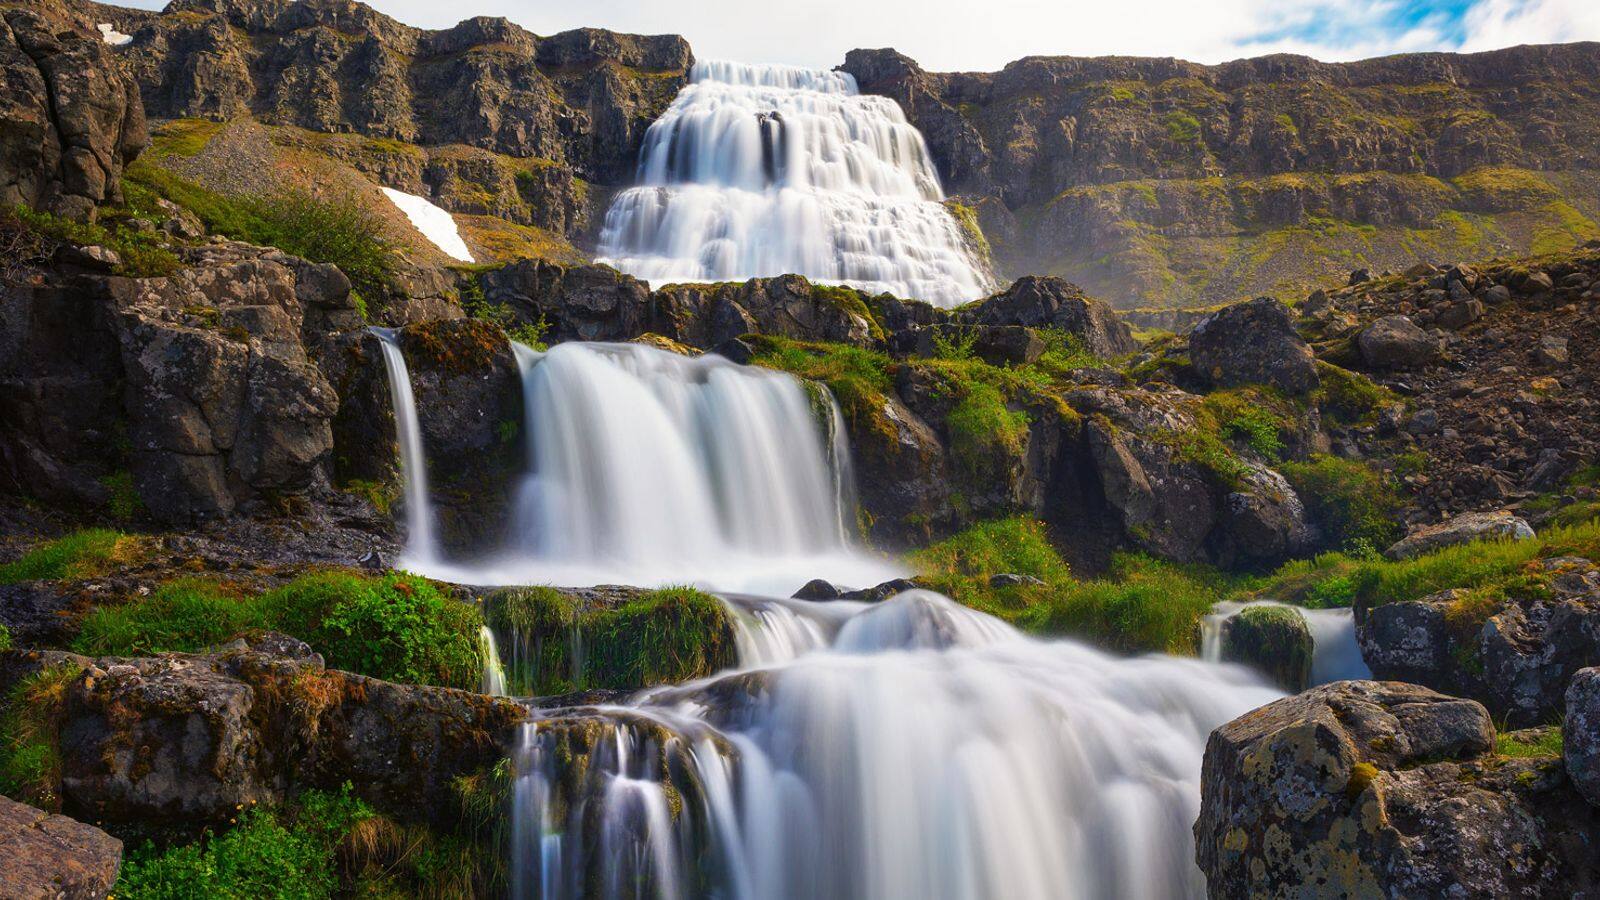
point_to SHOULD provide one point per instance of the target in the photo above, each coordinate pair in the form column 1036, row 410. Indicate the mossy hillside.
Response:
column 555, row 644
column 395, row 627
column 1140, row 605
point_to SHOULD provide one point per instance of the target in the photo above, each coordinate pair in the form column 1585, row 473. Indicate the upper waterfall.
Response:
column 769, row 170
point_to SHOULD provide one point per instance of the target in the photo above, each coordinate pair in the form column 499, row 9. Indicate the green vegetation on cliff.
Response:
column 396, row 627
column 556, row 645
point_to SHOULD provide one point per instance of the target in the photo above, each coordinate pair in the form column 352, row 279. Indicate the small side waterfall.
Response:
column 912, row 748
column 421, row 544
column 1335, row 653
column 771, row 170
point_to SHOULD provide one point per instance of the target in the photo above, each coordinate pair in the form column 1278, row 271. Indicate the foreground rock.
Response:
column 1581, row 733
column 49, row 857
column 1514, row 655
column 1463, row 529
column 1363, row 789
column 181, row 740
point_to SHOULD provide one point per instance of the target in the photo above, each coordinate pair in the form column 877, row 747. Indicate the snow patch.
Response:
column 112, row 36
column 436, row 224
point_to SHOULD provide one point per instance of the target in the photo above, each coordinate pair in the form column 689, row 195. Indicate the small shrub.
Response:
column 143, row 253
column 82, row 554
column 1353, row 502
column 954, row 343
column 1182, row 128
column 983, row 429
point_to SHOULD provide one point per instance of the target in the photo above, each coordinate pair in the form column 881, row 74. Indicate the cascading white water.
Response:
column 1335, row 652
column 770, row 170
column 421, row 544
column 650, row 468
column 909, row 749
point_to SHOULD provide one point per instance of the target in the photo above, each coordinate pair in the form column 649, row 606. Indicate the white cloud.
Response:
column 963, row 35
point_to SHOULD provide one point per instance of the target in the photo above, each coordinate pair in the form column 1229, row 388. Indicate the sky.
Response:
column 983, row 35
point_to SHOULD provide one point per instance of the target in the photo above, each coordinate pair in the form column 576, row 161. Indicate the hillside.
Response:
column 1157, row 182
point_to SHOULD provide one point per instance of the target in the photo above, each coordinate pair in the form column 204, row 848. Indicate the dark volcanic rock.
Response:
column 1395, row 342
column 1364, row 789
column 1046, row 302
column 49, row 857
column 1253, row 343
column 69, row 118
column 1581, row 733
column 1516, row 656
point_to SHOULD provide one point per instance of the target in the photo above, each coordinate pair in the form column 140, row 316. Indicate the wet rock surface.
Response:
column 1363, row 788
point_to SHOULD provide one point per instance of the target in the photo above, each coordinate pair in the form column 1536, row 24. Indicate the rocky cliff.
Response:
column 1157, row 182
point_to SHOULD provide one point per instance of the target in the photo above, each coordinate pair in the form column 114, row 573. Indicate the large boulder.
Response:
column 1253, row 343
column 1396, row 342
column 1381, row 789
column 69, row 118
column 1515, row 655
column 1463, row 529
column 51, row 857
column 1273, row 640
column 1581, row 733
column 1041, row 301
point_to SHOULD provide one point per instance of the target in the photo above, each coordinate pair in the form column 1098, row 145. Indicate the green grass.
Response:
column 1350, row 398
column 30, row 760
column 337, row 230
column 1356, row 505
column 1545, row 742
column 5, row 638
column 143, row 253
column 82, row 554
column 291, row 853
column 1253, row 418
column 394, row 627
column 1181, row 127
column 1141, row 604
column 664, row 636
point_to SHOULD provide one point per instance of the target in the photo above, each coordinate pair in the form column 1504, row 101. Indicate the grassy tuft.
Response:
column 1529, row 744
column 30, row 760
column 82, row 554
column 1356, row 505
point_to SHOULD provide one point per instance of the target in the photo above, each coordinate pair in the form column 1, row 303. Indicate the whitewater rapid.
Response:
column 771, row 170
column 909, row 749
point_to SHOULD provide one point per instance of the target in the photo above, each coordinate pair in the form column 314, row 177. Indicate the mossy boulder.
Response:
column 1273, row 640
column 555, row 641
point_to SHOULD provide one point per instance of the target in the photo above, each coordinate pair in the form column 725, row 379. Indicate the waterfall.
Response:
column 645, row 467
column 912, row 748
column 771, row 170
column 494, row 671
column 1335, row 653
column 421, row 547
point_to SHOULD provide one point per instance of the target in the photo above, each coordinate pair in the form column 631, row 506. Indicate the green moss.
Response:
column 857, row 377
column 380, row 494
column 1018, row 546
column 124, row 501
column 1349, row 398
column 82, row 554
column 982, row 428
column 1532, row 743
column 967, row 218
column 1253, row 418
column 5, row 638
column 182, row 137
column 143, row 253
column 663, row 636
column 1356, row 505
column 394, row 627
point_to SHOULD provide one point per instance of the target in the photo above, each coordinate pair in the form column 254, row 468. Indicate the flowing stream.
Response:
column 1335, row 652
column 908, row 749
column 772, row 170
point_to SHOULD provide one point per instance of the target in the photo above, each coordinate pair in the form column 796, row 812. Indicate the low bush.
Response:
column 1356, row 506
column 33, row 235
column 394, row 627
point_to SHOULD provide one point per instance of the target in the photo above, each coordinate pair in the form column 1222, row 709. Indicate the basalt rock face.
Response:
column 1516, row 656
column 1581, row 733
column 69, row 118
column 1038, row 302
column 1253, row 343
column 181, row 740
column 1156, row 182
column 1364, row 788
column 581, row 99
column 202, row 384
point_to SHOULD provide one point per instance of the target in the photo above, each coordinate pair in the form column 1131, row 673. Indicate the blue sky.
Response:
column 978, row 35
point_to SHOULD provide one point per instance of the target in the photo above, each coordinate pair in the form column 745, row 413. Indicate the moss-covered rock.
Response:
column 1273, row 640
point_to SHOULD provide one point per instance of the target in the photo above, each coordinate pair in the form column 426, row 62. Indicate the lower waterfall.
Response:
column 908, row 749
column 421, row 547
column 1335, row 652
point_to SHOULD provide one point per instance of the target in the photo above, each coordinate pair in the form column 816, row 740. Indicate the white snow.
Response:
column 435, row 224
column 113, row 37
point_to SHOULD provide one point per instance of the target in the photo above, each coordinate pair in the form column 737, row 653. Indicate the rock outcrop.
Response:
column 1273, row 640
column 50, row 857
column 1581, row 733
column 1039, row 302
column 1363, row 788
column 1162, row 183
column 1463, row 529
column 1515, row 655
column 69, row 118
